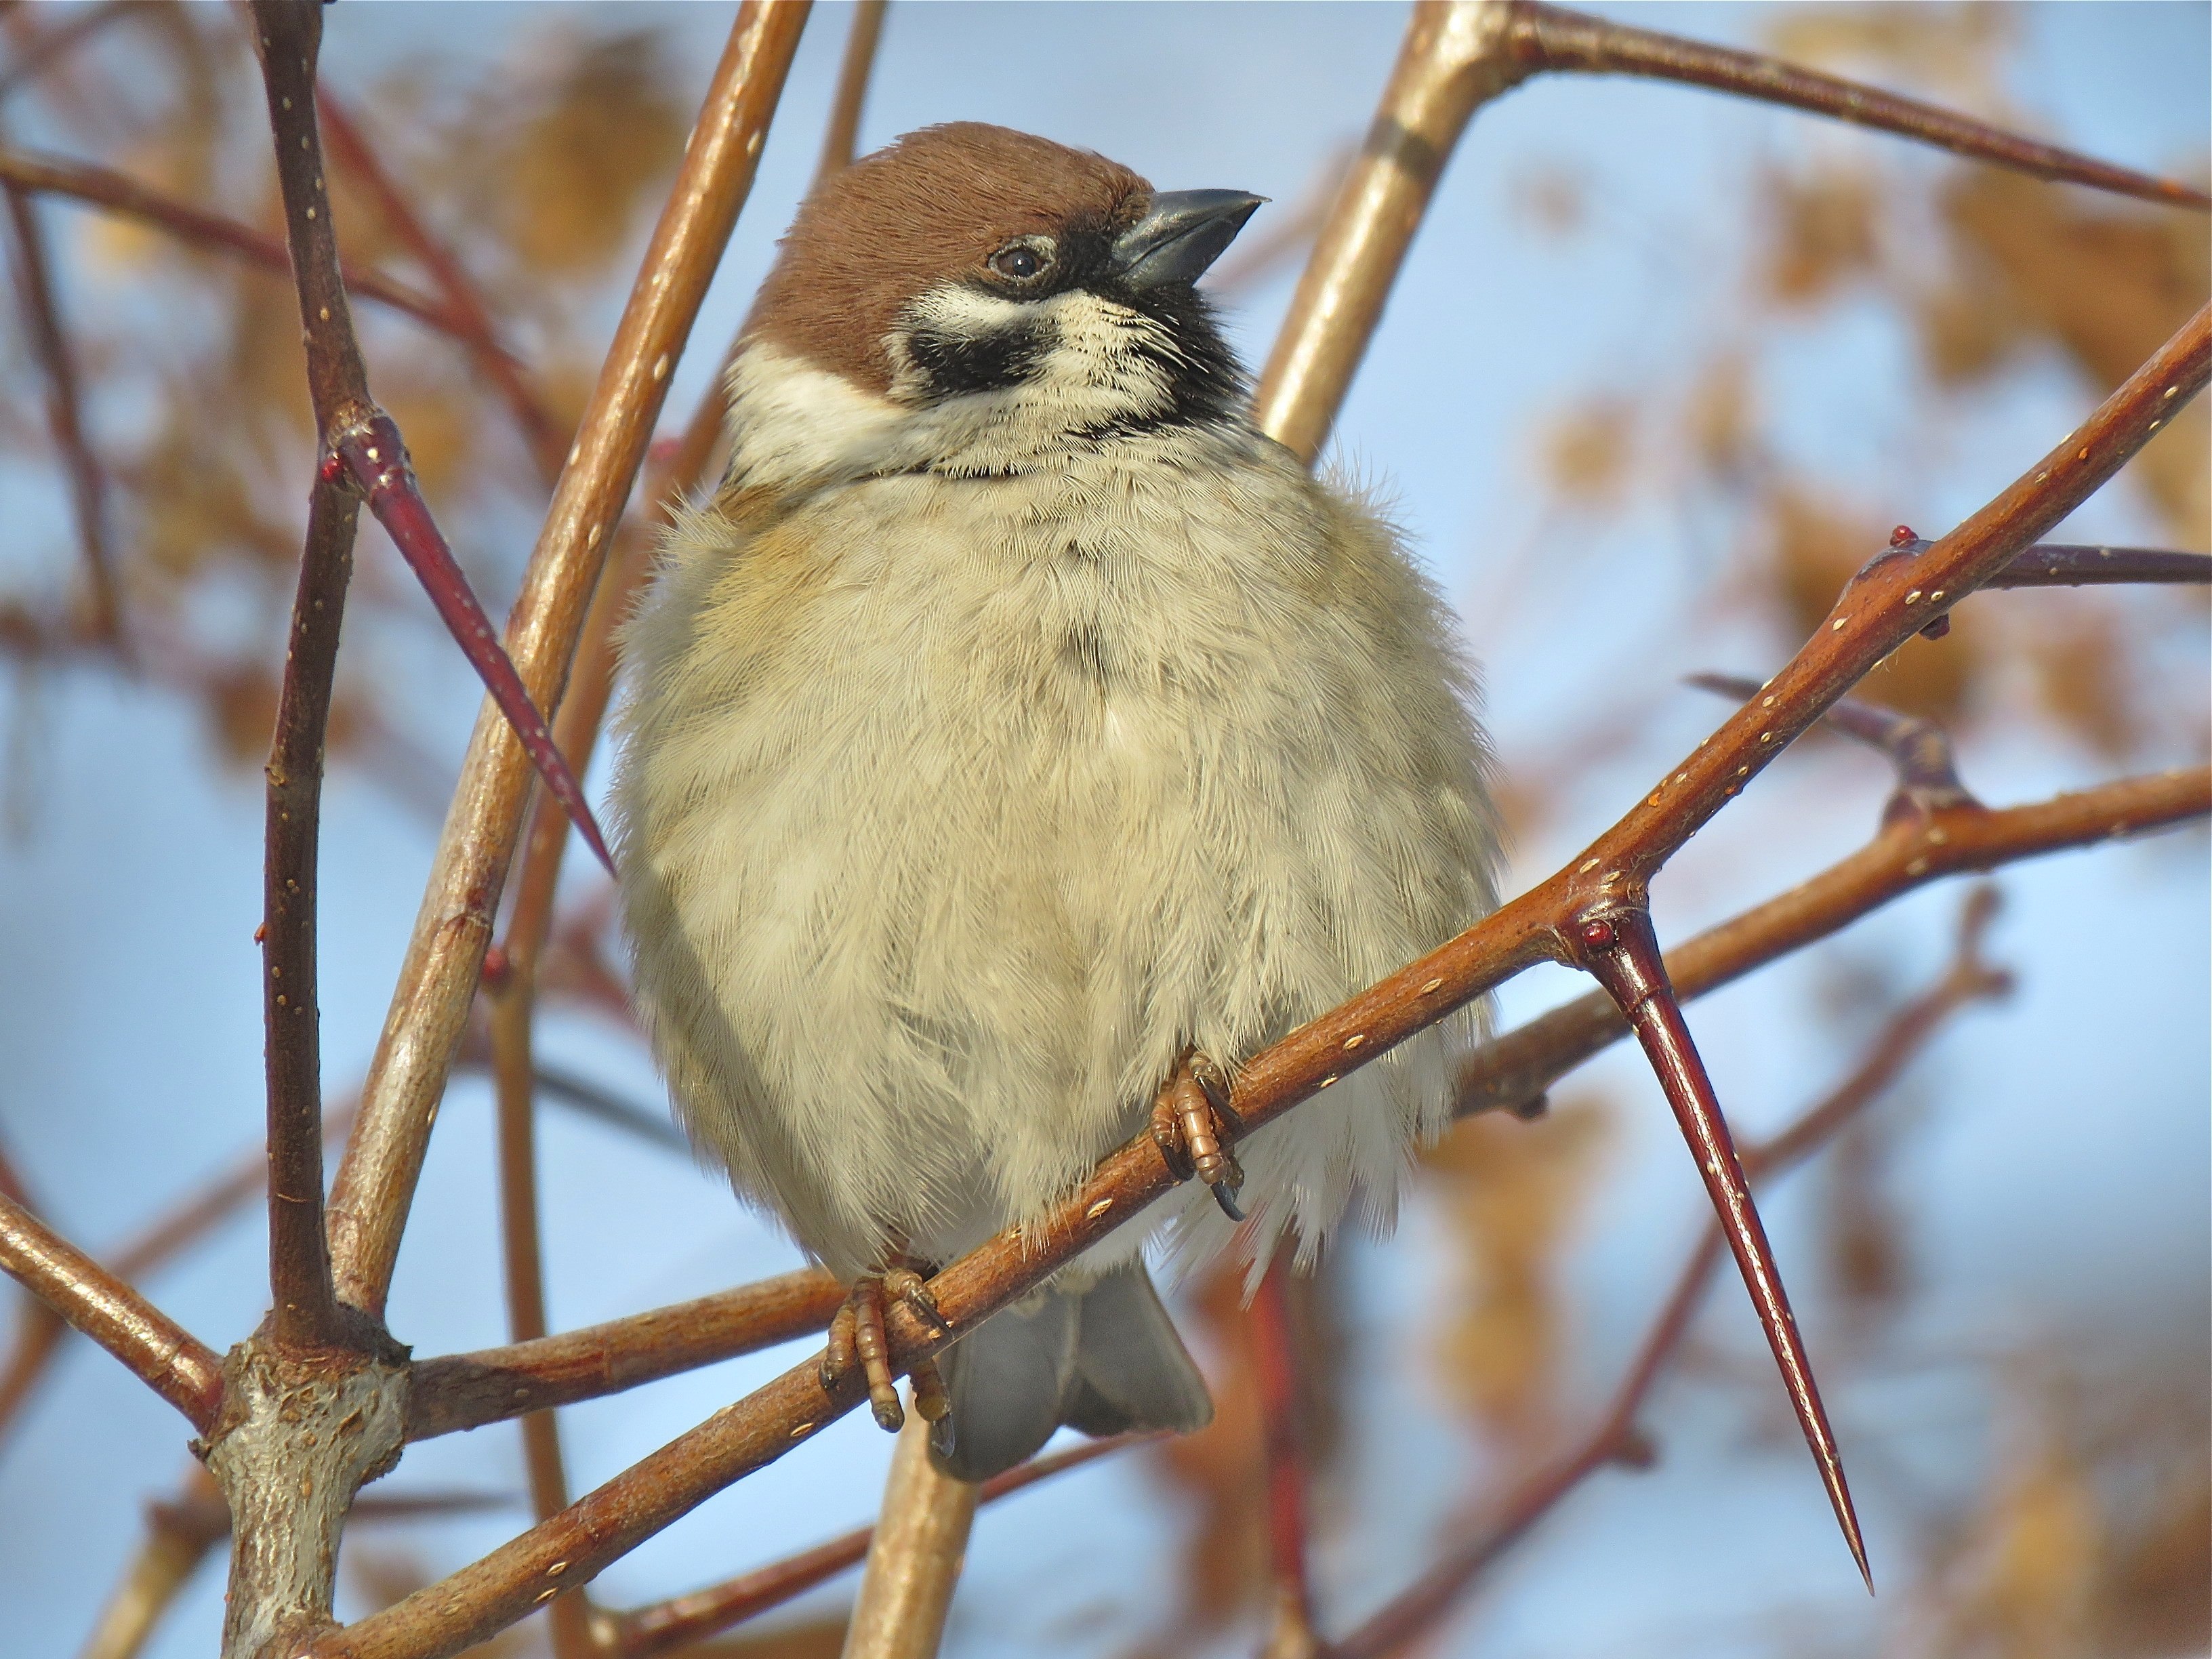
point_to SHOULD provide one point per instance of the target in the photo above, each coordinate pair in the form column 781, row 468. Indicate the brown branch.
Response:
column 298, row 1257
column 306, row 1305
column 1275, row 1363
column 1880, row 610
column 1513, row 1070
column 468, row 1390
column 155, row 1348
column 1547, row 38
column 1615, row 1438
column 376, row 1179
column 103, row 187
column 1460, row 54
column 1454, row 59
column 914, row 1558
column 667, row 1625
column 39, row 1331
column 463, row 300
column 42, row 322
column 858, row 63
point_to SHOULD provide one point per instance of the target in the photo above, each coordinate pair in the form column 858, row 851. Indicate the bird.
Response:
column 1013, row 740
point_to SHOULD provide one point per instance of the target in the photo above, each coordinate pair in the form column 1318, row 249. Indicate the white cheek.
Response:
column 791, row 422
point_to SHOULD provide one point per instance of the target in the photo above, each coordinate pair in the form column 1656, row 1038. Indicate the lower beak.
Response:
column 1182, row 233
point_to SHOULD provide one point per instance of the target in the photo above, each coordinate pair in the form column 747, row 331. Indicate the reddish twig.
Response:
column 1275, row 1364
column 376, row 1179
column 463, row 300
column 1616, row 1438
column 42, row 323
column 102, row 187
column 2055, row 564
column 667, row 1625
column 1875, row 616
column 306, row 1311
column 468, row 1390
column 154, row 1347
column 1548, row 39
column 1919, row 750
column 853, row 71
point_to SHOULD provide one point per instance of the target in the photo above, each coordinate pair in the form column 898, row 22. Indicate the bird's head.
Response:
column 970, row 299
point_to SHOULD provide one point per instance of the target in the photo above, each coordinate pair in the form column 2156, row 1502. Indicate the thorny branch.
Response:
column 1513, row 1071
column 1875, row 616
column 154, row 1347
column 1616, row 1438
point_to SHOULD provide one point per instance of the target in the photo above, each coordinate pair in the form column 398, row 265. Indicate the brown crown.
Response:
column 935, row 203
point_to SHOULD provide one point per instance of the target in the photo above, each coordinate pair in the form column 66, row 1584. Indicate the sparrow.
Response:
column 1014, row 739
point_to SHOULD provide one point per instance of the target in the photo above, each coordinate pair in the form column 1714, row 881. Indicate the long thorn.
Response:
column 373, row 452
column 1622, row 953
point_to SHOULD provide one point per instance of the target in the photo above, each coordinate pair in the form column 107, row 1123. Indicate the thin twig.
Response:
column 42, row 322
column 376, row 1179
column 666, row 1625
column 306, row 1303
column 463, row 300
column 103, row 187
column 154, row 1347
column 468, row 1390
column 1275, row 1363
column 1550, row 39
column 2058, row 564
column 1616, row 1438
column 299, row 1255
column 853, row 71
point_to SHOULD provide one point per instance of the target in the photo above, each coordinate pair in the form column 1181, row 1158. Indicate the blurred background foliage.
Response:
column 539, row 161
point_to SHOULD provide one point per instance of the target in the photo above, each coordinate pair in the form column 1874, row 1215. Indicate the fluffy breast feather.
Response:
column 950, row 811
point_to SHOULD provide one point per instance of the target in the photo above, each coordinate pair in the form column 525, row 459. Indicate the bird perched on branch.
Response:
column 1016, row 739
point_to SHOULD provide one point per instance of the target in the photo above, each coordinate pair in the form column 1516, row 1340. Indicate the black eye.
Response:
column 1020, row 261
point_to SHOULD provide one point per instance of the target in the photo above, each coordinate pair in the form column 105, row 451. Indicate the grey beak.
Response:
column 1184, row 232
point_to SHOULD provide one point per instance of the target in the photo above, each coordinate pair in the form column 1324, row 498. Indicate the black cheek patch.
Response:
column 956, row 364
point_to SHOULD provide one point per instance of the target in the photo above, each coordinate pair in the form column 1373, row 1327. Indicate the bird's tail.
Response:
column 1104, row 1359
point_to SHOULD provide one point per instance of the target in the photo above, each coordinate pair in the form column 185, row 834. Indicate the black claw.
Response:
column 1227, row 1200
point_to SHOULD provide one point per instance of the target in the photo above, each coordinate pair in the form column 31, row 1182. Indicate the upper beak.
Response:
column 1184, row 232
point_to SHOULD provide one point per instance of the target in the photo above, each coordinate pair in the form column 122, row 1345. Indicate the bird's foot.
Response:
column 1190, row 1117
column 856, row 1337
